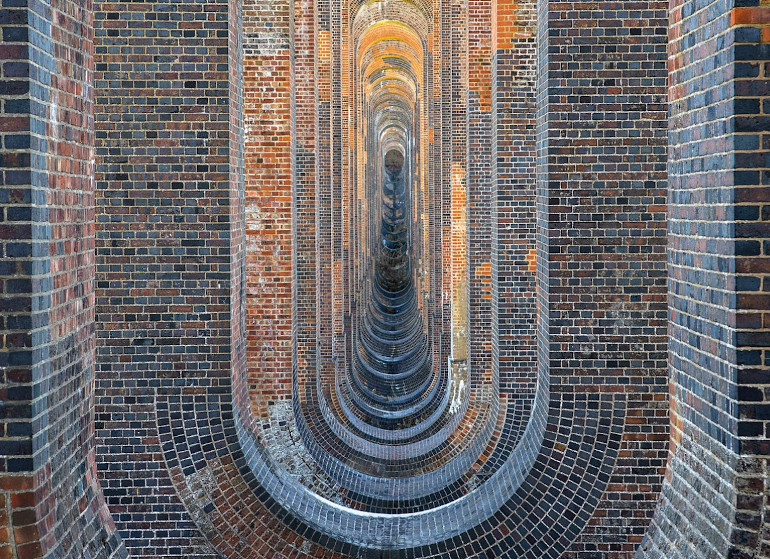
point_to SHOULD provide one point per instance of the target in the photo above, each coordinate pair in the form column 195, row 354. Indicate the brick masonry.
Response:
column 717, row 262
column 51, row 497
column 601, row 220
column 165, row 275
column 513, row 220
column 201, row 357
column 268, row 157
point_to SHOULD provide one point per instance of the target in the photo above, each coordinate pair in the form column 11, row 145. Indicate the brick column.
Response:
column 457, row 249
column 268, row 135
column 168, row 280
column 479, row 190
column 602, row 239
column 751, row 175
column 513, row 198
column 305, row 277
column 51, row 504
column 719, row 264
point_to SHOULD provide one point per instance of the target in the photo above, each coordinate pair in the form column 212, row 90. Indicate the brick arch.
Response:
column 415, row 14
column 541, row 127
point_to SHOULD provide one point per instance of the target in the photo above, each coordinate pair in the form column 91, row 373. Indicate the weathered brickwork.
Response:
column 751, row 175
column 456, row 244
column 602, row 211
column 479, row 189
column 267, row 78
column 714, row 499
column 52, row 501
column 163, row 247
column 513, row 200
column 384, row 278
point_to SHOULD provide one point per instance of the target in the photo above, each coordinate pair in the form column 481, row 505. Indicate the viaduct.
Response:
column 385, row 279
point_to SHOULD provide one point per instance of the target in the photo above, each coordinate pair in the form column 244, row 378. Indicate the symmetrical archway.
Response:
column 384, row 278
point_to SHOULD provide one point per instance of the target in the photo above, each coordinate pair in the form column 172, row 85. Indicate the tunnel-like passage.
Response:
column 396, row 279
column 402, row 369
column 392, row 365
column 383, row 422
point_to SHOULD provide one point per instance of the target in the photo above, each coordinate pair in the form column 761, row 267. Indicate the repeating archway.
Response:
column 383, row 278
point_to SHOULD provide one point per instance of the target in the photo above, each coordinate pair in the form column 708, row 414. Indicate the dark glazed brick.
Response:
column 228, row 262
column 52, row 504
column 719, row 355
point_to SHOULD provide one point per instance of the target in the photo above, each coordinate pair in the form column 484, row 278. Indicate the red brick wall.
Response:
column 52, row 503
column 209, row 275
column 268, row 150
column 479, row 197
column 305, row 281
